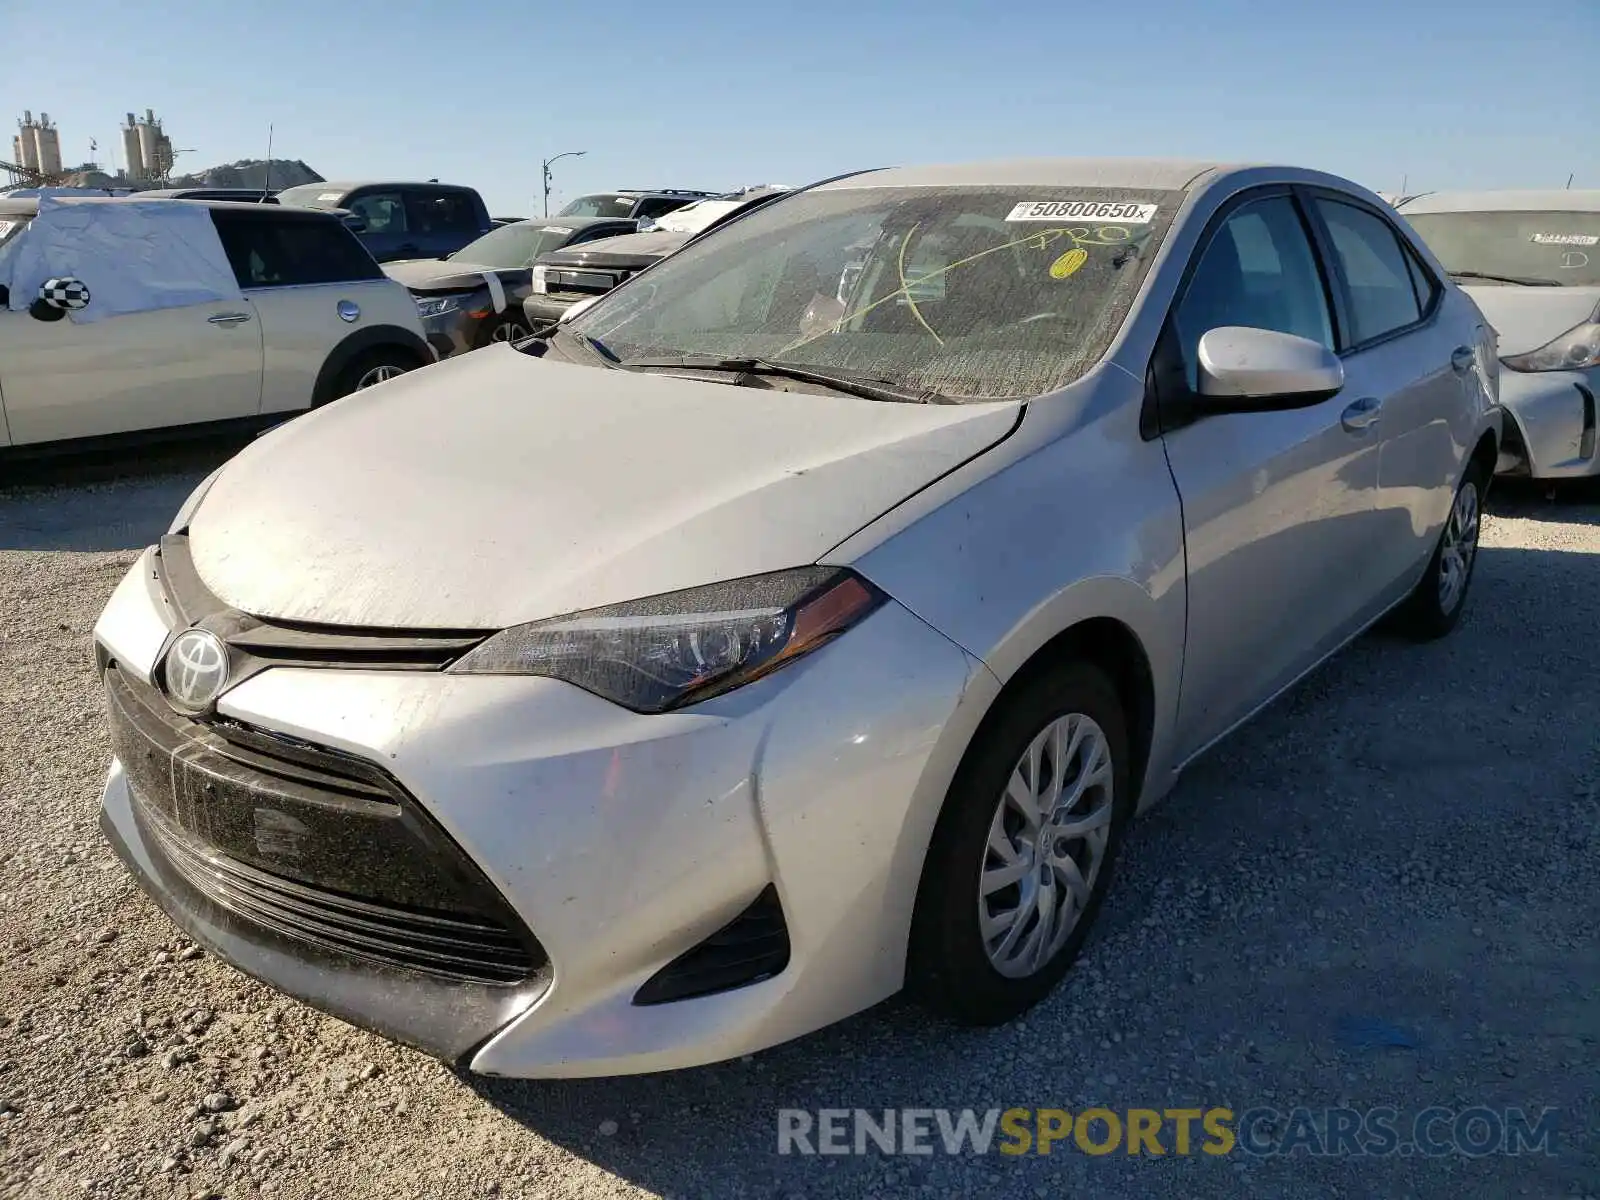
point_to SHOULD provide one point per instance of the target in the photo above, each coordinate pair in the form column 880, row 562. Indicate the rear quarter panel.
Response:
column 301, row 327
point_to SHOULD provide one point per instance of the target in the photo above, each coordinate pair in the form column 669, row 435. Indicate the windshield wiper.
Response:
column 1524, row 280
column 867, row 389
column 594, row 345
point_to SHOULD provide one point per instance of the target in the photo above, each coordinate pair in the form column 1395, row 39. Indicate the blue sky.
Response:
column 704, row 93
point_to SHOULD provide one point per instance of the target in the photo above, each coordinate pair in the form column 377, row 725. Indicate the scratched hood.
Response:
column 1529, row 317
column 498, row 488
column 436, row 274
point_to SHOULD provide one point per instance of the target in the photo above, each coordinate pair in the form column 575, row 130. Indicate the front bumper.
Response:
column 621, row 841
column 1555, row 416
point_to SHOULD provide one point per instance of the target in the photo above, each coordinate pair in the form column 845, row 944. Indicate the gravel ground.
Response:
column 1382, row 893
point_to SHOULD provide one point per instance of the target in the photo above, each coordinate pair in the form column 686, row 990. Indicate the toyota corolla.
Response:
column 805, row 620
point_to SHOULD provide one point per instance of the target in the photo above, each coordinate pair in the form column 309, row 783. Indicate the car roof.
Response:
column 28, row 206
column 1161, row 174
column 343, row 186
column 1506, row 200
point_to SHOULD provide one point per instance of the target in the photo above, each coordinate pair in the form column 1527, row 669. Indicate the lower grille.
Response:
column 419, row 940
column 314, row 845
column 752, row 947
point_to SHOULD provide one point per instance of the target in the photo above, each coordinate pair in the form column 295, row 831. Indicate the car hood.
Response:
column 625, row 250
column 435, row 274
column 499, row 488
column 1529, row 317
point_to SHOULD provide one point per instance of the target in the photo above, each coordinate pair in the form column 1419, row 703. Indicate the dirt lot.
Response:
column 1382, row 893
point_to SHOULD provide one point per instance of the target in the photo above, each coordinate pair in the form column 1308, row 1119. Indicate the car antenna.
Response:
column 1569, row 180
column 266, row 179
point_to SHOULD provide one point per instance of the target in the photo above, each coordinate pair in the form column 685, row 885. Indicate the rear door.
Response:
column 388, row 234
column 441, row 220
column 1277, row 506
column 307, row 278
column 1409, row 363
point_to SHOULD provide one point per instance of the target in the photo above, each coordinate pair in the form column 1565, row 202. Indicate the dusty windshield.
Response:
column 967, row 292
column 1555, row 247
column 599, row 206
column 513, row 245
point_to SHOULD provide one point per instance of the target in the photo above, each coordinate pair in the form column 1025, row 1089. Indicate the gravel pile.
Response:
column 1407, row 842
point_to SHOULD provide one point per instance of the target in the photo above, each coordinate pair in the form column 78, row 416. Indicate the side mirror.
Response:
column 355, row 222
column 576, row 308
column 1243, row 369
column 58, row 297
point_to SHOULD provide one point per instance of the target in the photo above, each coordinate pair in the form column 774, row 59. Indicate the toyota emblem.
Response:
column 196, row 669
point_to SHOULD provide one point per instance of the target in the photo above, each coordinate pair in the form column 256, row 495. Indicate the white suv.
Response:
column 128, row 316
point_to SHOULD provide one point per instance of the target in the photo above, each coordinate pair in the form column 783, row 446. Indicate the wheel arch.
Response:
column 359, row 342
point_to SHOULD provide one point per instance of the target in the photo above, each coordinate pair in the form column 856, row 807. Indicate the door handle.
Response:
column 1461, row 359
column 1363, row 414
column 228, row 318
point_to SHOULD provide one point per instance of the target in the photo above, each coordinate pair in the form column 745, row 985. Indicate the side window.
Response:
column 292, row 253
column 1257, row 271
column 1377, row 272
column 441, row 212
column 384, row 212
column 1424, row 287
column 657, row 206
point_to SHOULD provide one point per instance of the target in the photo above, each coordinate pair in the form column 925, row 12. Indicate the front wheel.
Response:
column 1022, row 854
column 511, row 329
column 1434, row 608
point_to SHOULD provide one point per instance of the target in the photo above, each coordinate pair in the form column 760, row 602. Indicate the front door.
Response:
column 1277, row 506
column 388, row 233
column 144, row 370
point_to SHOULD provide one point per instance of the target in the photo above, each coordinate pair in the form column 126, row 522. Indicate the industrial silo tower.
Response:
column 131, row 149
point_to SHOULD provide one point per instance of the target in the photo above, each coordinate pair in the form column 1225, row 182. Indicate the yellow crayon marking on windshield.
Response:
column 1069, row 263
column 1079, row 237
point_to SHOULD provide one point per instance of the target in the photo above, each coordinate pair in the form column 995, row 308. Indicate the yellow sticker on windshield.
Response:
column 1068, row 263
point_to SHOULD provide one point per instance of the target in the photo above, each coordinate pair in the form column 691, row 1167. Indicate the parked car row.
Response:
column 805, row 618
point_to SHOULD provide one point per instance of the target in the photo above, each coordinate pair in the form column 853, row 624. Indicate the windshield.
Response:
column 967, row 292
column 311, row 195
column 1556, row 247
column 599, row 206
column 514, row 245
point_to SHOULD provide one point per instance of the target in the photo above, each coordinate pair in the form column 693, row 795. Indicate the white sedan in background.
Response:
column 1531, row 261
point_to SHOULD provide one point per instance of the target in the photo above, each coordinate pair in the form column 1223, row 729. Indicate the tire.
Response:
column 950, row 969
column 509, row 328
column 1434, row 607
column 372, row 367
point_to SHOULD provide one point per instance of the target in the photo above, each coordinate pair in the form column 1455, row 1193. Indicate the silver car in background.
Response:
column 1531, row 261
column 806, row 619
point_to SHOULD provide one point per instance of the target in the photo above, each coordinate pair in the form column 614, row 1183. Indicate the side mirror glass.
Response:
column 578, row 307
column 1245, row 368
column 58, row 297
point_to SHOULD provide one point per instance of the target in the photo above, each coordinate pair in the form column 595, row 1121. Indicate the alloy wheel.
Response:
column 1047, row 843
column 1458, row 547
column 511, row 331
column 379, row 374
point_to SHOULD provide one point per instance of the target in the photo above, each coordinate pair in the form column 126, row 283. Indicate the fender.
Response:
column 358, row 342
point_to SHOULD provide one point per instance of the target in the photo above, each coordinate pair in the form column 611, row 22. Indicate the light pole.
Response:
column 544, row 168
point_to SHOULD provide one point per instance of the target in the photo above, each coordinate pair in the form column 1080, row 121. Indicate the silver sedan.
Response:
column 805, row 620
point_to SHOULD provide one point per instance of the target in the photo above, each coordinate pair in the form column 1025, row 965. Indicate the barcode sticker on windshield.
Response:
column 1565, row 239
column 1106, row 212
column 327, row 197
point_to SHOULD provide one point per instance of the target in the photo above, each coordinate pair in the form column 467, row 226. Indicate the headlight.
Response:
column 667, row 651
column 192, row 504
column 541, row 280
column 438, row 306
column 1575, row 349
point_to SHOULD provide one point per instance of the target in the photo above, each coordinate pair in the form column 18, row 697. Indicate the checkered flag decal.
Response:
column 68, row 295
